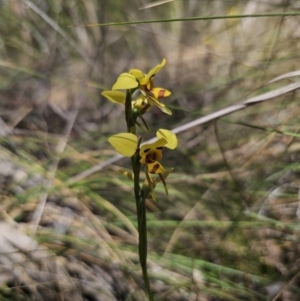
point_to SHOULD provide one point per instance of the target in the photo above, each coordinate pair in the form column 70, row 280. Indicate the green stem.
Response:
column 129, row 116
column 128, row 111
column 143, row 246
column 140, row 197
column 136, row 166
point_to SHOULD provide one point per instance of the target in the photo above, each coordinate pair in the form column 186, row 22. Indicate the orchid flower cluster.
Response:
column 136, row 91
column 139, row 96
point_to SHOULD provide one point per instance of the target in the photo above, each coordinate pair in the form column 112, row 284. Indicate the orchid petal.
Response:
column 159, row 143
column 160, row 93
column 155, row 168
column 153, row 101
column 124, row 143
column 170, row 137
column 125, row 81
column 152, row 72
column 151, row 155
column 140, row 103
column 137, row 73
column 165, row 174
column 115, row 96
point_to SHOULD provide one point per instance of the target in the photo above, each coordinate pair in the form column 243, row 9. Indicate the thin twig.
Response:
column 203, row 18
column 286, row 286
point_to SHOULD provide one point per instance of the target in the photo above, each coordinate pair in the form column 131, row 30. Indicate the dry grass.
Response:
column 229, row 229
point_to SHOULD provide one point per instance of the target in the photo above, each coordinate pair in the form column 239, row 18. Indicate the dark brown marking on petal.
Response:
column 159, row 148
column 154, row 168
column 151, row 157
column 161, row 93
column 146, row 150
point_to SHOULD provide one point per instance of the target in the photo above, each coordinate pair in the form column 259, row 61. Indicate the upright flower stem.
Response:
column 128, row 144
column 140, row 198
column 143, row 246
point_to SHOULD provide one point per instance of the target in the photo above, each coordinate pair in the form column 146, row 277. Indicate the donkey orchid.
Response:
column 150, row 154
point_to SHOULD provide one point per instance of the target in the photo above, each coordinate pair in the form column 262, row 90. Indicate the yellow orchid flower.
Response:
column 127, row 145
column 144, row 82
column 142, row 103
column 151, row 153
column 146, row 86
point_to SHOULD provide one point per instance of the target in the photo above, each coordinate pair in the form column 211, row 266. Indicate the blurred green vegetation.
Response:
column 229, row 228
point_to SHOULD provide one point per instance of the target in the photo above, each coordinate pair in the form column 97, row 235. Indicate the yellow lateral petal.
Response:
column 115, row 96
column 125, row 81
column 170, row 137
column 124, row 143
